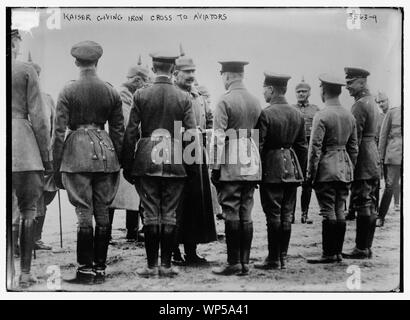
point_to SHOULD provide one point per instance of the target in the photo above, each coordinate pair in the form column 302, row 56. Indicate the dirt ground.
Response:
column 382, row 273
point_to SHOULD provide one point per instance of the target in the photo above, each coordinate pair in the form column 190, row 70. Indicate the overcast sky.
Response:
column 299, row 42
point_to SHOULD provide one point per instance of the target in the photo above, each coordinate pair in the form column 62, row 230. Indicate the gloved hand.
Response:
column 128, row 177
column 48, row 167
column 215, row 176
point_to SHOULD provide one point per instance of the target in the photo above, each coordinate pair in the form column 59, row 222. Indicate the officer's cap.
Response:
column 233, row 66
column 184, row 63
column 331, row 80
column 15, row 33
column 355, row 73
column 276, row 79
column 87, row 51
column 302, row 85
column 164, row 57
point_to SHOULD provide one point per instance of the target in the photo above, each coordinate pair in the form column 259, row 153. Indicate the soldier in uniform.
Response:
column 50, row 189
column 30, row 152
column 391, row 154
column 308, row 111
column 195, row 220
column 127, row 198
column 235, row 116
column 332, row 155
column 88, row 159
column 283, row 150
column 367, row 169
column 157, row 169
column 383, row 101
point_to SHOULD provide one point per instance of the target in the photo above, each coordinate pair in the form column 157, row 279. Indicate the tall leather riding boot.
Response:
column 363, row 222
column 38, row 244
column 385, row 203
column 151, row 240
column 85, row 247
column 285, row 232
column 233, row 243
column 372, row 229
column 304, row 203
column 111, row 212
column 340, row 231
column 101, row 240
column 328, row 243
column 167, row 246
column 26, row 250
column 15, row 241
column 132, row 224
column 246, row 235
column 274, row 247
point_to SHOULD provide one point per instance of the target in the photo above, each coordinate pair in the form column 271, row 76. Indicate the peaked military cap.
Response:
column 87, row 51
column 164, row 57
column 15, row 33
column 328, row 79
column 233, row 66
column 184, row 63
column 276, row 79
column 302, row 85
column 355, row 73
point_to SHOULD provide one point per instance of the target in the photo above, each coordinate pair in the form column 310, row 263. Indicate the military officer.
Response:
column 88, row 159
column 332, row 155
column 308, row 111
column 30, row 152
column 367, row 169
column 235, row 116
column 195, row 220
column 391, row 154
column 157, row 169
column 383, row 101
column 283, row 150
column 127, row 198
column 50, row 189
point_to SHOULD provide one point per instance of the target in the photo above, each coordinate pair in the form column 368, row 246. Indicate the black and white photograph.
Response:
column 204, row 149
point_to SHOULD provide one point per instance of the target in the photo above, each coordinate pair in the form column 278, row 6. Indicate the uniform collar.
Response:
column 305, row 104
column 361, row 94
column 88, row 73
column 278, row 100
column 163, row 79
column 235, row 85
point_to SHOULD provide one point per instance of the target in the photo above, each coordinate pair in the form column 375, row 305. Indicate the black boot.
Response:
column 26, row 251
column 167, row 245
column 85, row 256
column 232, row 235
column 15, row 241
column 340, row 231
column 192, row 257
column 38, row 244
column 328, row 243
column 131, row 223
column 101, row 240
column 152, row 239
column 372, row 229
column 245, row 247
column 362, row 236
column 285, row 232
column 272, row 261
column 111, row 212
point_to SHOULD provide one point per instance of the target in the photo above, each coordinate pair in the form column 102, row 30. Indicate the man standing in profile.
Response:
column 236, row 114
column 157, row 169
column 88, row 158
column 308, row 111
column 283, row 150
column 195, row 220
column 367, row 170
column 332, row 155
column 30, row 153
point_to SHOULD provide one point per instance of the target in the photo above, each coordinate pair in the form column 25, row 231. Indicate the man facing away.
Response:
column 332, row 155
column 157, row 169
column 283, row 150
column 236, row 114
column 88, row 159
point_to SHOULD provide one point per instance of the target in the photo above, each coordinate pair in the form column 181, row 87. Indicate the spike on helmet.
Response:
column 181, row 50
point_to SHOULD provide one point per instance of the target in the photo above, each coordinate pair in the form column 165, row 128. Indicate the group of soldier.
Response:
column 329, row 150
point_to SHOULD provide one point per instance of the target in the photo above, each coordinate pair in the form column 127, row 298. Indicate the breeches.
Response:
column 332, row 199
